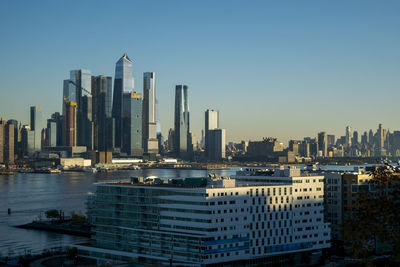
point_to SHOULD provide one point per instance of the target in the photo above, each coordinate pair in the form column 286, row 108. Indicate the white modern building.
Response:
column 247, row 219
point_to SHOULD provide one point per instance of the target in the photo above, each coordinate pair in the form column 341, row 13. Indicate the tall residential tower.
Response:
column 182, row 142
column 150, row 143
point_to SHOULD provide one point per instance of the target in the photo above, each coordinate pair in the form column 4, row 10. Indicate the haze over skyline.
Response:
column 284, row 70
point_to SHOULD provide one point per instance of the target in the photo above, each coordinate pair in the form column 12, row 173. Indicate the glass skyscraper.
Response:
column 123, row 82
column 78, row 89
column 211, row 123
column 182, row 140
column 82, row 79
column 102, row 117
column 132, row 124
column 37, row 125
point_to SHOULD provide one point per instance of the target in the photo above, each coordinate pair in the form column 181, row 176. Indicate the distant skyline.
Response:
column 272, row 69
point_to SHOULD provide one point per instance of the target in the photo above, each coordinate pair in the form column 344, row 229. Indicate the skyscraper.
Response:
column 323, row 143
column 354, row 141
column 69, row 93
column 182, row 140
column 6, row 142
column 217, row 143
column 348, row 136
column 331, row 139
column 82, row 82
column 211, row 123
column 58, row 119
column 150, row 142
column 371, row 139
column 102, row 118
column 51, row 133
column 132, row 124
column 123, row 82
column 381, row 138
column 37, row 125
column 17, row 138
column 70, row 123
column 364, row 138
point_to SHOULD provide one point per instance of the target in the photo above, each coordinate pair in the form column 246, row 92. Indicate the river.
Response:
column 29, row 195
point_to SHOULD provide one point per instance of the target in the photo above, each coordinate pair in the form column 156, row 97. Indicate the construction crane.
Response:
column 84, row 89
column 68, row 97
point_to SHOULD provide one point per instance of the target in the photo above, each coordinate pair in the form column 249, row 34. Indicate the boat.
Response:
column 91, row 170
column 134, row 167
column 47, row 170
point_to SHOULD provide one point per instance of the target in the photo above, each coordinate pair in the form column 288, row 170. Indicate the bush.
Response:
column 52, row 214
column 77, row 218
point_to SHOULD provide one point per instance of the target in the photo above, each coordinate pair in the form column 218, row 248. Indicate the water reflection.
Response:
column 29, row 195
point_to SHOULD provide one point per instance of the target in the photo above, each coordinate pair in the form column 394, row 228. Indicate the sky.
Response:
column 284, row 69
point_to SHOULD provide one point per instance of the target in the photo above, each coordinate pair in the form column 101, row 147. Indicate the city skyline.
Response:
column 292, row 76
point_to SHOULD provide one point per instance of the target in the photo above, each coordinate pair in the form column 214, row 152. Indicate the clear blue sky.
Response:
column 273, row 68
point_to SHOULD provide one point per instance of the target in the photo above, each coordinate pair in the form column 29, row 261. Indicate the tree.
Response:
column 52, row 214
column 77, row 218
column 374, row 224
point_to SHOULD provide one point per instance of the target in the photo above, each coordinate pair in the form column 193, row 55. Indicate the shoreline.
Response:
column 80, row 229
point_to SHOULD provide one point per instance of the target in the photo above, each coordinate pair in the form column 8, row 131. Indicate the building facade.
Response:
column 102, row 115
column 123, row 83
column 132, row 124
column 211, row 123
column 206, row 221
column 182, row 142
column 81, row 81
column 37, row 124
column 150, row 143
column 6, row 142
column 70, row 123
column 217, row 144
column 323, row 144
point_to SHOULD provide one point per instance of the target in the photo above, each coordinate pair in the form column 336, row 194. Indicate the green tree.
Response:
column 77, row 217
column 52, row 214
column 374, row 223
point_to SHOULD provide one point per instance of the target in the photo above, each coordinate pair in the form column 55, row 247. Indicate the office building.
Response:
column 6, row 142
column 69, row 93
column 59, row 120
column 182, row 142
column 81, row 81
column 123, row 83
column 254, row 217
column 216, row 143
column 132, row 124
column 348, row 136
column 27, row 141
column 170, row 141
column 323, row 144
column 211, row 123
column 70, row 123
column 103, row 134
column 331, row 140
column 268, row 148
column 380, row 139
column 333, row 203
column 17, row 138
column 364, row 138
column 150, row 142
column 37, row 124
column 354, row 140
column 51, row 134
